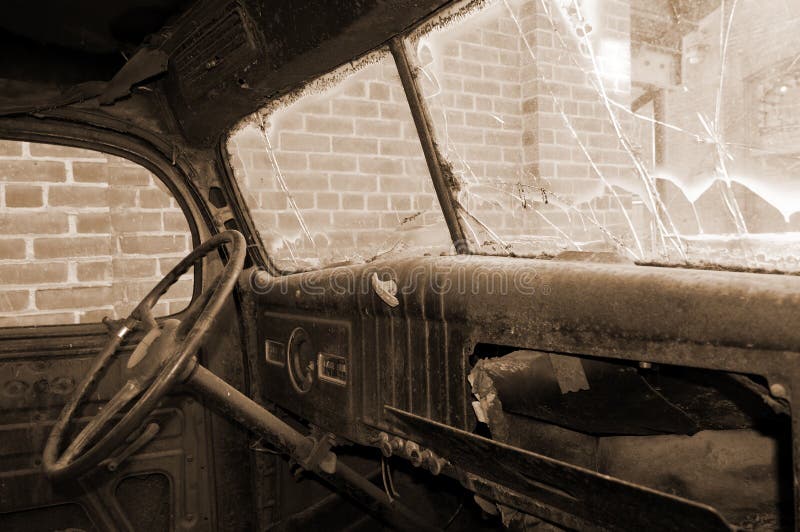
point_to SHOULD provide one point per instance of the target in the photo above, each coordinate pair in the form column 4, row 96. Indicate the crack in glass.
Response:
column 533, row 104
column 334, row 174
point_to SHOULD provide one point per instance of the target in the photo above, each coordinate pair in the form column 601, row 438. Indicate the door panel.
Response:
column 163, row 486
column 86, row 234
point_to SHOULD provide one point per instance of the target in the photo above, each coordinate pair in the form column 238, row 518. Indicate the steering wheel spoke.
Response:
column 125, row 395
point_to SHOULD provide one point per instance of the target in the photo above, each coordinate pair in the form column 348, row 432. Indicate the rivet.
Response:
column 413, row 453
column 384, row 445
column 778, row 391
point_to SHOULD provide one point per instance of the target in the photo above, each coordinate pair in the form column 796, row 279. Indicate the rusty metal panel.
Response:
column 33, row 388
column 607, row 503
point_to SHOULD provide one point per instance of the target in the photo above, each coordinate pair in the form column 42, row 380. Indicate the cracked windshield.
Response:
column 336, row 174
column 661, row 131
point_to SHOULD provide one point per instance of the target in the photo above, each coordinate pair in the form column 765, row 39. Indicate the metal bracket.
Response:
column 386, row 290
column 320, row 457
column 147, row 63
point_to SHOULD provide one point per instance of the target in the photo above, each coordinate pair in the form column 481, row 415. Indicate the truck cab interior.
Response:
column 286, row 265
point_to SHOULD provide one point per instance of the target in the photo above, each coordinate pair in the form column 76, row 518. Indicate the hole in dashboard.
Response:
column 216, row 197
column 657, row 425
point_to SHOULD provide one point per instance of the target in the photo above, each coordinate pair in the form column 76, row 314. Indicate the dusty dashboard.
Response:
column 336, row 357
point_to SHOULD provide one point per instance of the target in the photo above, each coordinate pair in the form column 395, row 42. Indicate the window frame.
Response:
column 439, row 171
column 121, row 140
column 406, row 66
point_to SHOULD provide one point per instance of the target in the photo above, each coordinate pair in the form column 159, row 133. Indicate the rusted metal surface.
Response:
column 414, row 357
column 592, row 309
column 244, row 411
column 133, row 128
column 289, row 43
column 48, row 362
column 177, row 453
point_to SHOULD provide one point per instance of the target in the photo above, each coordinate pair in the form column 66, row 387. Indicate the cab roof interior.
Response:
column 213, row 62
column 220, row 59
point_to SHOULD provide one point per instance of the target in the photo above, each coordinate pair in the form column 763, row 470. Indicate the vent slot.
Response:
column 218, row 48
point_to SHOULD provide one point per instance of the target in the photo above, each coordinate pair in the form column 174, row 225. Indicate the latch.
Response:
column 386, row 290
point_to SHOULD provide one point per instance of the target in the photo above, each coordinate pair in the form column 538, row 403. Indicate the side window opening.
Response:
column 336, row 174
column 84, row 235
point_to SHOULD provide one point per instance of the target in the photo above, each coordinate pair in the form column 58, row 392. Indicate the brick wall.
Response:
column 351, row 159
column 520, row 114
column 473, row 87
column 536, row 123
column 83, row 235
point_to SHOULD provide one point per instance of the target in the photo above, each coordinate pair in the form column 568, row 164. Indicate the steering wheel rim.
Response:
column 76, row 460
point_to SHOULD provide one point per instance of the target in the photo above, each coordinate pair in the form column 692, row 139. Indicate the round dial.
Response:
column 301, row 360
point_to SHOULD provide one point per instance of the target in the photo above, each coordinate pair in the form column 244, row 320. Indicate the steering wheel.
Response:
column 159, row 361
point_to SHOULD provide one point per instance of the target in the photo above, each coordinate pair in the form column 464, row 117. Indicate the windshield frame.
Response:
column 440, row 170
